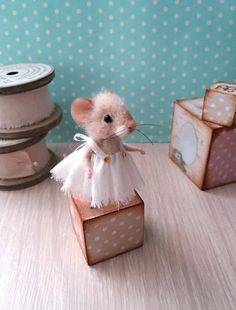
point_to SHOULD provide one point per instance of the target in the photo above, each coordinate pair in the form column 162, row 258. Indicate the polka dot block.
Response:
column 204, row 151
column 220, row 104
column 109, row 231
column 222, row 159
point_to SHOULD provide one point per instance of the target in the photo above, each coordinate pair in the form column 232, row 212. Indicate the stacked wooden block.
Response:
column 203, row 136
column 109, row 231
column 26, row 115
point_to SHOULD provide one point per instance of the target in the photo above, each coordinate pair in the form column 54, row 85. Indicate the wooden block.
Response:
column 220, row 104
column 109, row 231
column 204, row 151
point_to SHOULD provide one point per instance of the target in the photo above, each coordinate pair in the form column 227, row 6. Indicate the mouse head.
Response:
column 104, row 116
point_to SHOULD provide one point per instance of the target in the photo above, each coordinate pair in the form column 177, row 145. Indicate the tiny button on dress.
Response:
column 115, row 177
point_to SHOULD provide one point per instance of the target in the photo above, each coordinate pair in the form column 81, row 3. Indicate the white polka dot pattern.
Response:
column 215, row 160
column 220, row 105
column 222, row 162
column 114, row 234
column 150, row 52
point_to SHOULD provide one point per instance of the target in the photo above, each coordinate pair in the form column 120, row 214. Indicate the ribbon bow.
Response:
column 79, row 137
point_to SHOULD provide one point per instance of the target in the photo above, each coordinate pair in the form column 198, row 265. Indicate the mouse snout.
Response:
column 131, row 125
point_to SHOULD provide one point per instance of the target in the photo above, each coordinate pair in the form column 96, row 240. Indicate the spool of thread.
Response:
column 26, row 115
column 24, row 162
column 26, row 108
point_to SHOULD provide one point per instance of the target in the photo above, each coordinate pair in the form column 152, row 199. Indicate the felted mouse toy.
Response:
column 101, row 169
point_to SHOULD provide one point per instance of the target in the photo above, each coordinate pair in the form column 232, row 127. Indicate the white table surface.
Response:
column 188, row 260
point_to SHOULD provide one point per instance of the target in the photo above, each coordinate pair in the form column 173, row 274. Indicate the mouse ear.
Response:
column 80, row 109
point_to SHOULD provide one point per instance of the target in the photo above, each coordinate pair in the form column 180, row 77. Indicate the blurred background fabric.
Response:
column 149, row 52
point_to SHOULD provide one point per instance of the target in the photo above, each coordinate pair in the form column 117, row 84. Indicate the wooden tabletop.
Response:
column 188, row 260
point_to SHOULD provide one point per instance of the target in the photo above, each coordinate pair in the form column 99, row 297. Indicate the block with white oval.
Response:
column 204, row 151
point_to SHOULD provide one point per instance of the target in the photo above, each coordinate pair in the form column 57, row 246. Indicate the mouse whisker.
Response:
column 144, row 135
column 116, row 134
column 155, row 125
column 121, row 131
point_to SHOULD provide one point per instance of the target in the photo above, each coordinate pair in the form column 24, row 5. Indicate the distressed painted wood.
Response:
column 104, row 233
column 204, row 151
column 220, row 104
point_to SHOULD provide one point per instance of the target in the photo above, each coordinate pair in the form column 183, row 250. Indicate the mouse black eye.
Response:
column 108, row 119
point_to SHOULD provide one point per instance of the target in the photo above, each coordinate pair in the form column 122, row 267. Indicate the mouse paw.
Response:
column 141, row 151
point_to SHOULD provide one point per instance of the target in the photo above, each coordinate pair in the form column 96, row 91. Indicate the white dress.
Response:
column 115, row 178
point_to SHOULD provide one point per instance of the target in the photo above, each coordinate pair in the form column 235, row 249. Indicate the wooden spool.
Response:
column 26, row 109
column 21, row 156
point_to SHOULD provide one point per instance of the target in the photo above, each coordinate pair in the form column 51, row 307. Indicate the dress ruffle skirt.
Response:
column 114, row 177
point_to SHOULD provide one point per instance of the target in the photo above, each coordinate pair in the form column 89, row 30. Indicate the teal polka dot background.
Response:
column 149, row 52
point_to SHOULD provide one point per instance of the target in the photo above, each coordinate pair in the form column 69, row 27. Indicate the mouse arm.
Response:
column 87, row 162
column 129, row 148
